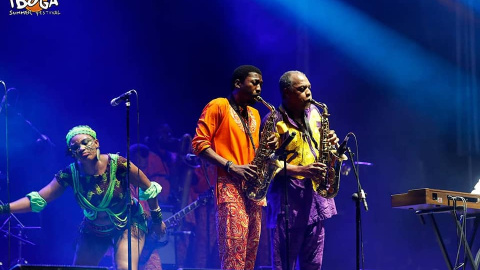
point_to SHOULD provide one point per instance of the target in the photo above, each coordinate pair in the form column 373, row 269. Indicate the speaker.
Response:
column 54, row 267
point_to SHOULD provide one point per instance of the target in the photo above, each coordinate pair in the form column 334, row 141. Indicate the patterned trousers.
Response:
column 238, row 228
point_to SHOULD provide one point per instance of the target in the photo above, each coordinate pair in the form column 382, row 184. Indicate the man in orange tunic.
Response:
column 227, row 135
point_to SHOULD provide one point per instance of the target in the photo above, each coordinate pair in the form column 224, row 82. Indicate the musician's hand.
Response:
column 159, row 228
column 316, row 169
column 244, row 172
column 332, row 137
column 272, row 141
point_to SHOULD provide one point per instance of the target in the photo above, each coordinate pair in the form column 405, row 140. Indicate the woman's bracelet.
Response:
column 5, row 208
column 156, row 209
column 156, row 215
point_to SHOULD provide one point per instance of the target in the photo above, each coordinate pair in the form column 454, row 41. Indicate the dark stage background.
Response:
column 400, row 74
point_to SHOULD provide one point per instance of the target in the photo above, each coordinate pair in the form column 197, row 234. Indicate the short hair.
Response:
column 285, row 81
column 241, row 73
column 141, row 149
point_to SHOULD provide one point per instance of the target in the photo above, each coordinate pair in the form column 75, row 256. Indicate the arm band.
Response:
column 37, row 203
column 156, row 215
column 5, row 209
column 151, row 192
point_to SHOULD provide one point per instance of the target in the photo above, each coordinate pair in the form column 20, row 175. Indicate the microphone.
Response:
column 45, row 138
column 363, row 197
column 280, row 151
column 121, row 98
column 183, row 233
column 343, row 146
column 192, row 160
column 191, row 157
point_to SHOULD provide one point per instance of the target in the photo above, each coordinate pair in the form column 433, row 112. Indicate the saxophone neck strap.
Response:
column 244, row 120
column 309, row 129
column 303, row 125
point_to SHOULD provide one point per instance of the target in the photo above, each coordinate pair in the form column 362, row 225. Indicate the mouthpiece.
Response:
column 268, row 105
column 314, row 102
column 323, row 106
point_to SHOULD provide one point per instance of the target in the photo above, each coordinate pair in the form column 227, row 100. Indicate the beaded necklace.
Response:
column 89, row 210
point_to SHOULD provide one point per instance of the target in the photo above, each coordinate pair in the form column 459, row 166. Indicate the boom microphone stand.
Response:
column 359, row 196
column 127, row 105
column 20, row 226
column 126, row 97
column 20, row 236
column 42, row 137
column 281, row 154
column 2, row 103
column 286, row 209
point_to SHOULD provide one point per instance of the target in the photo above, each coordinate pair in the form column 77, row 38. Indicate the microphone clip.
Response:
column 281, row 151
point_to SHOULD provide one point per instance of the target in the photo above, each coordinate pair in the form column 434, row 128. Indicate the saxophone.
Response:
column 328, row 184
column 256, row 189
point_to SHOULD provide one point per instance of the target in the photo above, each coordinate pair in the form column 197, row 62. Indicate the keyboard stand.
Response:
column 463, row 240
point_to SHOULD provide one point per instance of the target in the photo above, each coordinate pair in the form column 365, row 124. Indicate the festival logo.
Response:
column 34, row 7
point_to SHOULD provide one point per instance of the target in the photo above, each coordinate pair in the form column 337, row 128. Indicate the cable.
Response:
column 463, row 229
column 356, row 151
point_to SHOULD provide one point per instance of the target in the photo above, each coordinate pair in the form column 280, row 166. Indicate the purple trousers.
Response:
column 306, row 245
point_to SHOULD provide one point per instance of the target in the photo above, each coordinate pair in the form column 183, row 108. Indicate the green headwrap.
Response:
column 82, row 129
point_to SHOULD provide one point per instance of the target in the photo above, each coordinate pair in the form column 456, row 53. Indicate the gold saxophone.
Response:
column 328, row 183
column 256, row 189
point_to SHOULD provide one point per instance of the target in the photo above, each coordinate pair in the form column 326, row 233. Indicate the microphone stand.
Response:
column 286, row 206
column 5, row 98
column 208, row 206
column 22, row 239
column 128, row 193
column 42, row 137
column 359, row 196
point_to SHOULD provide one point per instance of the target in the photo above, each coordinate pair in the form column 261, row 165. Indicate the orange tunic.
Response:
column 238, row 218
column 220, row 128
